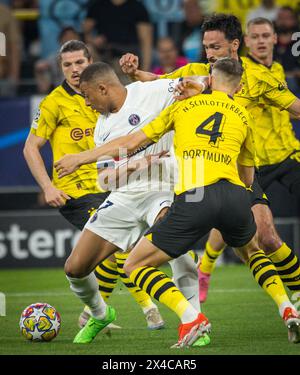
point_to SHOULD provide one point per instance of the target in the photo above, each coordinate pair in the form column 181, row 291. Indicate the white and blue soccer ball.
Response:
column 40, row 322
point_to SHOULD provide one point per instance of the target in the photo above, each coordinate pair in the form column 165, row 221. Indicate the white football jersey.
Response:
column 144, row 102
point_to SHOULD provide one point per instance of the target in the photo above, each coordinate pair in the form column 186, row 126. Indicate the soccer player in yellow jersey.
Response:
column 68, row 124
column 260, row 87
column 277, row 151
column 214, row 147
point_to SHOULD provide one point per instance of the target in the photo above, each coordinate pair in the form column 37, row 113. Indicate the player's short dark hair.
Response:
column 232, row 68
column 226, row 23
column 260, row 21
column 95, row 70
column 73, row 46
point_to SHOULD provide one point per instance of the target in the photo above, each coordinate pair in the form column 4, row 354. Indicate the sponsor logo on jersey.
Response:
column 134, row 119
column 77, row 133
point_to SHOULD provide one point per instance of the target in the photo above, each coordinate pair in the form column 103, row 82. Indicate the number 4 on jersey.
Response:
column 212, row 127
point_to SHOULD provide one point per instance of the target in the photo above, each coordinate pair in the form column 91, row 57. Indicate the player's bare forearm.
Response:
column 119, row 147
column 110, row 178
column 141, row 75
column 246, row 174
column 53, row 196
column 36, row 165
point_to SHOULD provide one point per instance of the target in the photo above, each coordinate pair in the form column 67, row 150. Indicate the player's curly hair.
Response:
column 226, row 23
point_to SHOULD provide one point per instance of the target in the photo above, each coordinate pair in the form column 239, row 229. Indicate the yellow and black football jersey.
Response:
column 273, row 132
column 212, row 133
column 192, row 69
column 265, row 95
column 68, row 124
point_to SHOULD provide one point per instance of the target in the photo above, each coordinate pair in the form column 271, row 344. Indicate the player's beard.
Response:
column 212, row 60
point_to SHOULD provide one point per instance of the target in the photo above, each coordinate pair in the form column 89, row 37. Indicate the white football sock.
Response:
column 189, row 315
column 86, row 289
column 185, row 277
column 284, row 305
column 150, row 307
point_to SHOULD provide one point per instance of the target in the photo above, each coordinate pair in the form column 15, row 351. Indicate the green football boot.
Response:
column 94, row 326
column 202, row 341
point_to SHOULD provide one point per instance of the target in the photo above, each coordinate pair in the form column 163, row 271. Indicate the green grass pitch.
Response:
column 244, row 319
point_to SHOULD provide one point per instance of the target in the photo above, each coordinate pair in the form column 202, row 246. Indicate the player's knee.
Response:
column 270, row 242
column 73, row 268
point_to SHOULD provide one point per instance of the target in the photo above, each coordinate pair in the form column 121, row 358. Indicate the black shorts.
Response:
column 78, row 211
column 256, row 193
column 224, row 206
column 287, row 173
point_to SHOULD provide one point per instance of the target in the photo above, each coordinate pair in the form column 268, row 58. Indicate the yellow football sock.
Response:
column 288, row 266
column 140, row 296
column 267, row 277
column 160, row 287
column 209, row 258
column 107, row 277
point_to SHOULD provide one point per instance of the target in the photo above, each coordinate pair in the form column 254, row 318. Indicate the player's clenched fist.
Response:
column 129, row 63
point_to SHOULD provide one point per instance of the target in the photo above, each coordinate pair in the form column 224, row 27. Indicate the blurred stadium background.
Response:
column 34, row 235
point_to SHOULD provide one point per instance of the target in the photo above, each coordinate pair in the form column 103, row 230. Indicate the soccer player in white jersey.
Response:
column 132, row 208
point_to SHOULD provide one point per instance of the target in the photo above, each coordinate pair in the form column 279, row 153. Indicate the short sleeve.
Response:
column 193, row 69
column 247, row 156
column 162, row 124
column 276, row 91
column 45, row 120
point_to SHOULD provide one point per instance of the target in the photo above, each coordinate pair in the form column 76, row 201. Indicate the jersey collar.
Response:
column 69, row 89
column 209, row 91
column 240, row 61
column 257, row 62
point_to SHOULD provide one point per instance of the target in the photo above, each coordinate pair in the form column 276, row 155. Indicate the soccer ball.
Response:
column 40, row 322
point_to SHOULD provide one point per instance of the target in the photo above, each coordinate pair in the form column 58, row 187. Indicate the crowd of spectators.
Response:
column 164, row 37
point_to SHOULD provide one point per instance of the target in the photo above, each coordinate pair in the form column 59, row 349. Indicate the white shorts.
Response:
column 123, row 217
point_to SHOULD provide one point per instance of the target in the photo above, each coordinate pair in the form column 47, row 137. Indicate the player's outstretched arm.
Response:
column 53, row 196
column 110, row 178
column 119, row 147
column 129, row 64
column 190, row 86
